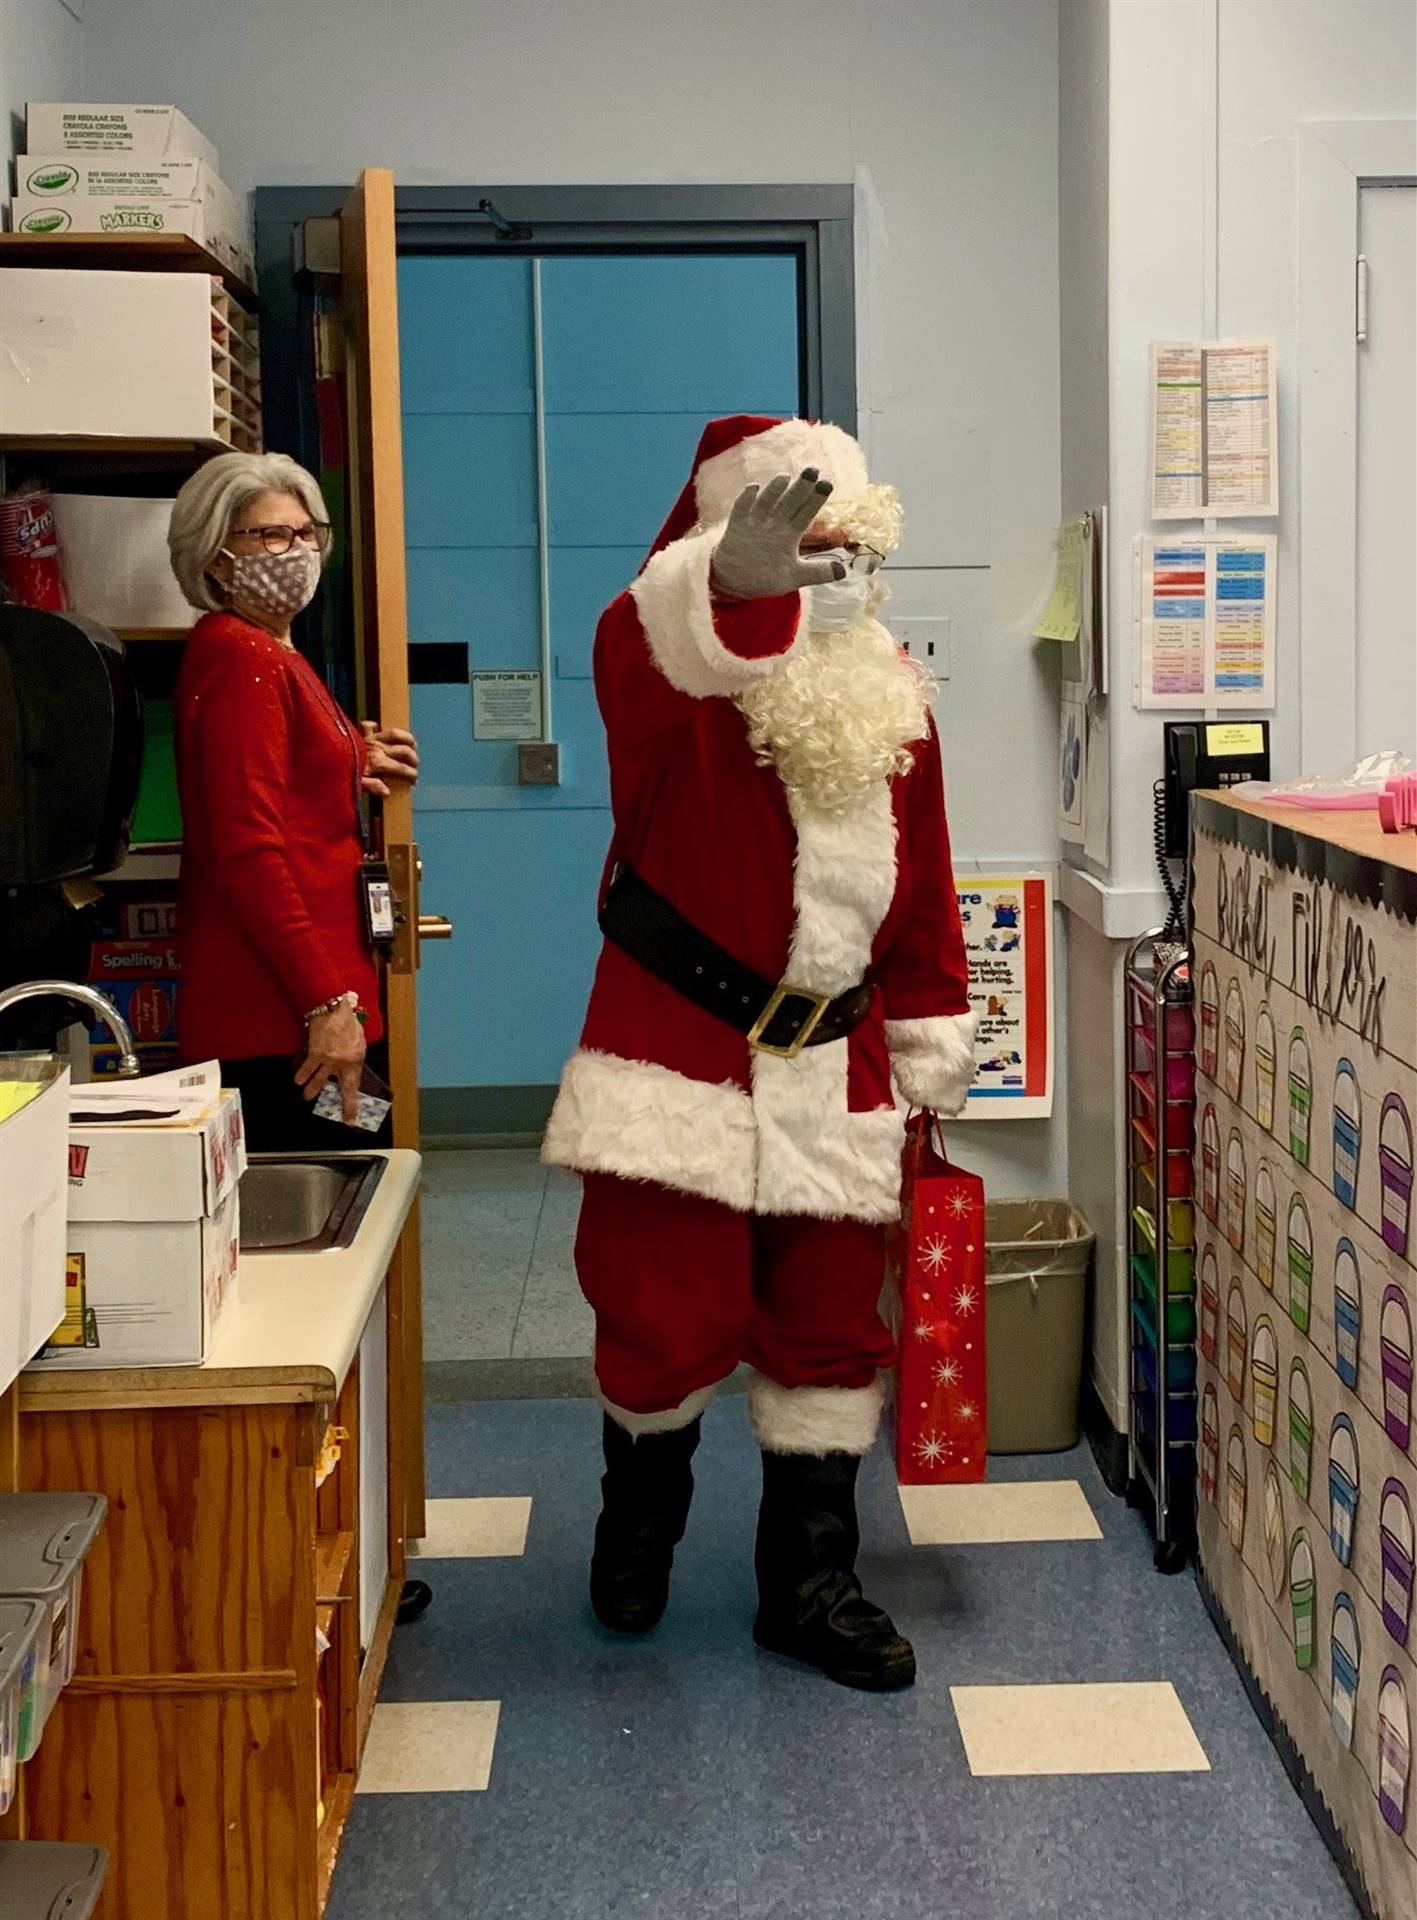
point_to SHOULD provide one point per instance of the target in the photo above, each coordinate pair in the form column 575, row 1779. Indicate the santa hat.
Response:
column 749, row 449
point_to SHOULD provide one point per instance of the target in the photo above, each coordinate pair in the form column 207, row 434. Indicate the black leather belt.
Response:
column 780, row 1020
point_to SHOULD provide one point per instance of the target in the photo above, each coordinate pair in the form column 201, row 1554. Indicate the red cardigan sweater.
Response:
column 269, row 921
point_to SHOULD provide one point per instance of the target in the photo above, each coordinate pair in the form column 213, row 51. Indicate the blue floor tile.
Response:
column 688, row 1777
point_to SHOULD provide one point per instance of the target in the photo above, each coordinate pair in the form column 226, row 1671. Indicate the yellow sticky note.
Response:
column 1239, row 736
column 1062, row 617
column 15, row 1094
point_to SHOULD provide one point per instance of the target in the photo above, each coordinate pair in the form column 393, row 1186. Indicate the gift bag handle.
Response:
column 923, row 1129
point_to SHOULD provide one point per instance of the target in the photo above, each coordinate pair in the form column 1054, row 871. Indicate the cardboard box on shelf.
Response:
column 145, row 131
column 33, row 1208
column 200, row 220
column 146, row 1293
column 178, row 1166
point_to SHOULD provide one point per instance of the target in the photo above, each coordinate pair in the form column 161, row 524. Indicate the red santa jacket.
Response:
column 660, row 1090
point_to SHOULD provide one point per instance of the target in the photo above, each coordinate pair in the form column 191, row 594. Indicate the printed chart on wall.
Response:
column 1008, row 936
column 1213, row 429
column 1205, row 621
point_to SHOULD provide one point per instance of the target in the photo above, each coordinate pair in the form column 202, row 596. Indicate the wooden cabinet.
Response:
column 207, row 1740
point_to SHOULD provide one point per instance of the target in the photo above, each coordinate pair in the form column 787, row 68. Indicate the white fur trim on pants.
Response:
column 670, row 1421
column 675, row 605
column 816, row 1420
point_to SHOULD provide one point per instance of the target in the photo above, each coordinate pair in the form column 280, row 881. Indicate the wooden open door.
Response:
column 369, row 304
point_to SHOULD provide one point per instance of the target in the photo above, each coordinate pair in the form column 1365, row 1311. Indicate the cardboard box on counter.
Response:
column 178, row 1165
column 33, row 1206
column 148, row 132
column 146, row 1293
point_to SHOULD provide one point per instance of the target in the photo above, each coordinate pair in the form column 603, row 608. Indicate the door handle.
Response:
column 434, row 926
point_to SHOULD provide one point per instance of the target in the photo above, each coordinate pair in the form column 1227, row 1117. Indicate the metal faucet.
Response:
column 128, row 1067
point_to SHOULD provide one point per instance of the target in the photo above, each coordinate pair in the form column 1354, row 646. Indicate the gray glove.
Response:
column 759, row 556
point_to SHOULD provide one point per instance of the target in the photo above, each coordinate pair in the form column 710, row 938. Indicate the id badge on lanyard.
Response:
column 376, row 899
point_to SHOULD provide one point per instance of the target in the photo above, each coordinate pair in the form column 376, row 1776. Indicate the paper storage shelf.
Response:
column 165, row 358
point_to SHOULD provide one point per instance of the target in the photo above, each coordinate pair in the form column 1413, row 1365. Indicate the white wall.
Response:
column 945, row 111
column 41, row 58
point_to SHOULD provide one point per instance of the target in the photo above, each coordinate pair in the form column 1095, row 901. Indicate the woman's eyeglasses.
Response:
column 315, row 533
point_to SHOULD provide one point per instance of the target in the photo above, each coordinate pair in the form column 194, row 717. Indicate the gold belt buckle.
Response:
column 820, row 1003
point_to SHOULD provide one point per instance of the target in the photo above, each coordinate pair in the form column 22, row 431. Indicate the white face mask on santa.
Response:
column 839, row 604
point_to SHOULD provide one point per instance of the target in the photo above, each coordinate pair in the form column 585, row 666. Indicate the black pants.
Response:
column 277, row 1115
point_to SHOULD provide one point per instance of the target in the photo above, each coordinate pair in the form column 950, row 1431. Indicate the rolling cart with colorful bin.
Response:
column 1161, row 1061
column 1306, row 1088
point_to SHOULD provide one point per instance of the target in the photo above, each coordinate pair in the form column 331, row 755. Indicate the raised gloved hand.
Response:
column 759, row 556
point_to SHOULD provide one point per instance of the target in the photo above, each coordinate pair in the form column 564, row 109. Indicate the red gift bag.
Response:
column 938, row 1264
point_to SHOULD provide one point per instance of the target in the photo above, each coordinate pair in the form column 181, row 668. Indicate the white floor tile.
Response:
column 1136, row 1728
column 435, row 1746
column 474, row 1529
column 995, row 1513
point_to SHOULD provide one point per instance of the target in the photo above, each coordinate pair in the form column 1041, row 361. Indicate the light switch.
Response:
column 926, row 638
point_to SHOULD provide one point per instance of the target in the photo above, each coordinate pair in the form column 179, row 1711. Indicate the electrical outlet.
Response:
column 538, row 763
column 926, row 638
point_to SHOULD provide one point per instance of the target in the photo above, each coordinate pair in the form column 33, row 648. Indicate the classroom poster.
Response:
column 1008, row 938
column 1213, row 429
column 1206, row 621
column 1306, row 986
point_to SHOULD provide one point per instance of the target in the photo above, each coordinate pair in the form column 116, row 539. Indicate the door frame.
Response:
column 816, row 222
column 1337, row 160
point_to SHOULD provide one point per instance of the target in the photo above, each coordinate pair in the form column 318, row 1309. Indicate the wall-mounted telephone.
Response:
column 1206, row 753
column 1200, row 753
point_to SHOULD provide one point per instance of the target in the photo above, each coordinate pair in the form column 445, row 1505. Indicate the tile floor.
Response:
column 1078, row 1746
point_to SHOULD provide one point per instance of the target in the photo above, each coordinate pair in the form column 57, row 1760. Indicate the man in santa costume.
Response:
column 783, row 973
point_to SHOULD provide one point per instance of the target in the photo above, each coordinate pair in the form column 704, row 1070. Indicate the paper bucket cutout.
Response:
column 1210, row 1021
column 1210, row 1305
column 1347, row 1656
column 1237, row 1184
column 1395, row 1535
column 1301, row 1428
column 1347, row 1133
column 1237, row 1340
column 1237, row 1477
column 1394, row 1750
column 1343, row 1483
column 1210, row 1165
column 1266, row 1226
column 1303, row 1599
column 1234, row 1041
column 1276, row 1553
column 1266, row 1057
column 1301, row 1096
column 1395, row 1340
column 1347, row 1312
column 1301, row 1264
column 1210, row 1445
column 1395, row 1170
column 1264, row 1382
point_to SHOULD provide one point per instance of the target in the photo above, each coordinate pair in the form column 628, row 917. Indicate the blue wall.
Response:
column 638, row 352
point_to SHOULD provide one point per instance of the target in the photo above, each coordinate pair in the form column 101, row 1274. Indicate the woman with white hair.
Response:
column 278, row 975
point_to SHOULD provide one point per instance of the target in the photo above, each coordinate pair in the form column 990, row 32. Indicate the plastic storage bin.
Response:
column 21, row 1624
column 44, row 1540
column 1037, row 1253
column 46, row 1879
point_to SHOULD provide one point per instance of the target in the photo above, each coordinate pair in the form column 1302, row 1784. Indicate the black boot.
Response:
column 647, row 1487
column 810, row 1604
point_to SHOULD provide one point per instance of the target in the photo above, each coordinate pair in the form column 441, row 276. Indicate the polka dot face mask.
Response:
column 276, row 584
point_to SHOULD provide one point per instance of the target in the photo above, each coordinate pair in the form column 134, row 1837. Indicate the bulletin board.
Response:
column 1306, row 988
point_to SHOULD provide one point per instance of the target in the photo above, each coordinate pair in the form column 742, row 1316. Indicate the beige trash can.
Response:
column 1037, row 1255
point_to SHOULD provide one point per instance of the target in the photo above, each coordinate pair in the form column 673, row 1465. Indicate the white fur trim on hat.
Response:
column 671, row 1420
column 786, row 448
column 675, row 605
column 933, row 1060
column 816, row 1420
column 646, row 1122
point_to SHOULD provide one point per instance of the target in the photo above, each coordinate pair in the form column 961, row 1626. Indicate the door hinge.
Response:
column 318, row 245
column 1360, row 297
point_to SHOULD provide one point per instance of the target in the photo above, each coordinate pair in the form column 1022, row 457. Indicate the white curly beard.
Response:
column 841, row 717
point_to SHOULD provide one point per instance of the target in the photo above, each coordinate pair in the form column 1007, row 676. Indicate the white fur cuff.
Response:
column 816, row 1420
column 670, row 1421
column 933, row 1060
column 675, row 605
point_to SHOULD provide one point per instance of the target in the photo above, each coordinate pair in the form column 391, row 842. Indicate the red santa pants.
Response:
column 684, row 1289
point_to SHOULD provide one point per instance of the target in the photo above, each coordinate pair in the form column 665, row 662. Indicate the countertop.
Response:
column 292, row 1334
column 1356, row 830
